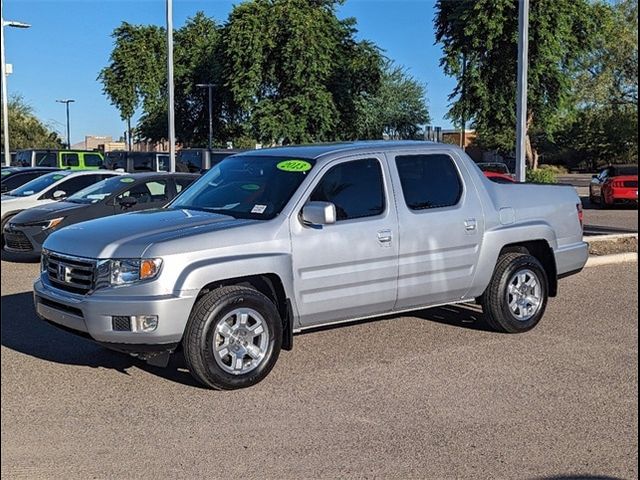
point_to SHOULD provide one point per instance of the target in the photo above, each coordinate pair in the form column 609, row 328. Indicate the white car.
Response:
column 49, row 188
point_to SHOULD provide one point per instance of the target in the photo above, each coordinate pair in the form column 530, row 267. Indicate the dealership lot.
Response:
column 432, row 394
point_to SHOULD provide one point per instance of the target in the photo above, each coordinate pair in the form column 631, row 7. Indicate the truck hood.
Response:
column 129, row 235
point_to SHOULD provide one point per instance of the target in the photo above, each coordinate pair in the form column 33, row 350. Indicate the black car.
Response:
column 137, row 161
column 198, row 160
column 14, row 177
column 26, row 232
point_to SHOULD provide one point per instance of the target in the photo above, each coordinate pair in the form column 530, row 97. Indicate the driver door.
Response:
column 349, row 269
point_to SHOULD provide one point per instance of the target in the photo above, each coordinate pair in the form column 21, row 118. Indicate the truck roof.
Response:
column 321, row 149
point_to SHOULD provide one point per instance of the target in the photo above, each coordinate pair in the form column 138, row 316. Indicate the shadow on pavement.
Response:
column 18, row 258
column 24, row 332
column 463, row 316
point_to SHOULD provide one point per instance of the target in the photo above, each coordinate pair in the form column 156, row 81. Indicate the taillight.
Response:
column 617, row 184
column 580, row 214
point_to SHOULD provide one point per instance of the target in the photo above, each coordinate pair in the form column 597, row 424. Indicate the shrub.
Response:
column 542, row 175
column 557, row 169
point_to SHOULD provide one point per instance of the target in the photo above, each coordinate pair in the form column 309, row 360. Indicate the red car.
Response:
column 497, row 172
column 615, row 184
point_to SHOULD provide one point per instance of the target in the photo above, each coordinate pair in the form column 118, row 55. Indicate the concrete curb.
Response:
column 609, row 238
column 597, row 261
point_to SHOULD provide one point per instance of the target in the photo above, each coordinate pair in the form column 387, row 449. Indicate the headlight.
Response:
column 47, row 224
column 128, row 271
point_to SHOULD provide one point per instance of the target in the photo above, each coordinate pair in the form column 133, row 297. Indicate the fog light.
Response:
column 144, row 323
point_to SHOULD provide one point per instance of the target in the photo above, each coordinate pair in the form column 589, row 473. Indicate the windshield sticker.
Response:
column 127, row 180
column 58, row 177
column 252, row 187
column 28, row 192
column 258, row 209
column 299, row 166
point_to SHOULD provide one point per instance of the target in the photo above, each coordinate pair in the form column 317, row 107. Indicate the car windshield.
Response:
column 256, row 187
column 101, row 190
column 37, row 185
column 494, row 167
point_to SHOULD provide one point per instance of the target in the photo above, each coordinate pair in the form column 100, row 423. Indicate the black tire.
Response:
column 4, row 222
column 603, row 202
column 200, row 334
column 495, row 304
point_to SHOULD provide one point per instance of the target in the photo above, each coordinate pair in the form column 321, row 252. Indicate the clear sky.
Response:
column 69, row 42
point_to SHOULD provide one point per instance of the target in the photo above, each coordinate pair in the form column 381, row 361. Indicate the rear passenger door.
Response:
column 441, row 228
column 349, row 269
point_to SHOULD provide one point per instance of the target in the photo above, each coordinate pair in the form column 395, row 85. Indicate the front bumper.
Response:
column 24, row 239
column 91, row 315
column 572, row 258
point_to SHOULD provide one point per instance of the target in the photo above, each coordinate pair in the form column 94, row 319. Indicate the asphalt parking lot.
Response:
column 430, row 395
column 621, row 219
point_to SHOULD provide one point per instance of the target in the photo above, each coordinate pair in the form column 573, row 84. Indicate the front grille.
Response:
column 631, row 184
column 73, row 274
column 17, row 241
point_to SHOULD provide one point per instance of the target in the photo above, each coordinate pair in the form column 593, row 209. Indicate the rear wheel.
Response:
column 517, row 295
column 233, row 338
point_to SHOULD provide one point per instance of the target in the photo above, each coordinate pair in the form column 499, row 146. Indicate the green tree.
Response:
column 480, row 42
column 26, row 130
column 295, row 71
column 397, row 110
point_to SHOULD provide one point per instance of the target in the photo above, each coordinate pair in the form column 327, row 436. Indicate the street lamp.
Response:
column 209, row 86
column 67, row 102
column 3, row 75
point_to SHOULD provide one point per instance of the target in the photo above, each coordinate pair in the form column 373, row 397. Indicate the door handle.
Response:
column 385, row 236
column 470, row 224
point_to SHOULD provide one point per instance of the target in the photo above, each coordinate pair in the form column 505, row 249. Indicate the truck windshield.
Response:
column 256, row 187
column 101, row 190
column 39, row 184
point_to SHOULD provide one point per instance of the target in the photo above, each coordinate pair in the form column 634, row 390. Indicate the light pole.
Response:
column 3, row 74
column 67, row 102
column 521, row 113
column 209, row 86
column 172, row 121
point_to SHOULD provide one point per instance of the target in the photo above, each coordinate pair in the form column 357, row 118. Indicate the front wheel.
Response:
column 233, row 338
column 517, row 296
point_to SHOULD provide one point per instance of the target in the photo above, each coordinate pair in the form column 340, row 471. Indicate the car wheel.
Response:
column 603, row 201
column 4, row 222
column 517, row 295
column 233, row 338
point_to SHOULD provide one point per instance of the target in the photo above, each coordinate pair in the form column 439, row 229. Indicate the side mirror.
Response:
column 315, row 214
column 59, row 194
column 128, row 202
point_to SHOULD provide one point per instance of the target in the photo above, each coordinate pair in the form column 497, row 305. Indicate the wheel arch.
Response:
column 541, row 250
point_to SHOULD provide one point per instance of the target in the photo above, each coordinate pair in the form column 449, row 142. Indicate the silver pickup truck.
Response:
column 272, row 242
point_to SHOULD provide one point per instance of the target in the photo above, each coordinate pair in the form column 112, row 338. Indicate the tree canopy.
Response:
column 26, row 130
column 480, row 43
column 285, row 71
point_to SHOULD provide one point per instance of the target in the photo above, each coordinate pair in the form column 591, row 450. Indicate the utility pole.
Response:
column 172, row 121
column 67, row 102
column 209, row 87
column 523, row 54
column 3, row 74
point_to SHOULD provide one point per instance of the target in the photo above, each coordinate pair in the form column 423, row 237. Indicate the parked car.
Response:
column 198, row 160
column 137, row 161
column 71, row 159
column 499, row 177
column 497, row 172
column 12, row 156
column 26, row 231
column 14, row 177
column 276, row 241
column 615, row 184
column 48, row 188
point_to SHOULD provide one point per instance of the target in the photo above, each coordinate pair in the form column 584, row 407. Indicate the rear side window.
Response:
column 48, row 159
column 429, row 181
column 355, row 188
column 70, row 160
column 92, row 160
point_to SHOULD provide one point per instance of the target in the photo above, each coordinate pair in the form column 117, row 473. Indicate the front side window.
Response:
column 147, row 192
column 182, row 183
column 75, row 184
column 256, row 187
column 429, row 181
column 355, row 188
column 70, row 160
